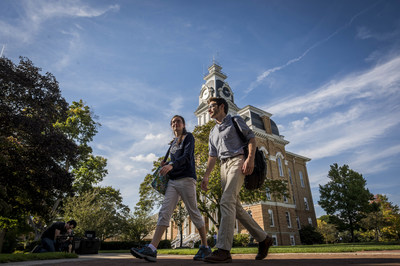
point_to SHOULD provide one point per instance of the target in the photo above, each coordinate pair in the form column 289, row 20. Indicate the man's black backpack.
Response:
column 256, row 179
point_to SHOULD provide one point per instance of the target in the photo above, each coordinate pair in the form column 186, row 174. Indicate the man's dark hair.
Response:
column 72, row 222
column 220, row 101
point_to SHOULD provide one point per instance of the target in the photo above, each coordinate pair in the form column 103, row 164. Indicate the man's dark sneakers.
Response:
column 219, row 256
column 145, row 253
column 263, row 248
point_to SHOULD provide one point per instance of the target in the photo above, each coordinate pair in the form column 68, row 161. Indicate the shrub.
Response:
column 164, row 244
column 241, row 240
column 309, row 235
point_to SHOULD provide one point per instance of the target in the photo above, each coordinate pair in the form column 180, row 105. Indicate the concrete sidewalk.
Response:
column 326, row 259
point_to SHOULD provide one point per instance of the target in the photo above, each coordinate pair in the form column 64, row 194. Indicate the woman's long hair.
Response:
column 184, row 129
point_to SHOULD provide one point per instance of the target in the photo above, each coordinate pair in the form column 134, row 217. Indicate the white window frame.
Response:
column 271, row 218
column 268, row 194
column 292, row 240
column 306, row 206
column 288, row 220
column 298, row 223
column 290, row 176
column 310, row 221
column 275, row 240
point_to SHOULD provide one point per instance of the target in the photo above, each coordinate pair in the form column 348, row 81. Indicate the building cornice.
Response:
column 298, row 156
column 256, row 110
column 272, row 203
column 262, row 134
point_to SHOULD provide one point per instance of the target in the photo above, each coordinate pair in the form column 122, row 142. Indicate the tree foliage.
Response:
column 33, row 152
column 345, row 196
column 99, row 209
column 138, row 226
column 328, row 231
column 149, row 198
column 179, row 216
column 383, row 222
column 310, row 235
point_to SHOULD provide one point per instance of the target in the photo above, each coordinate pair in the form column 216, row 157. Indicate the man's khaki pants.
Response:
column 232, row 180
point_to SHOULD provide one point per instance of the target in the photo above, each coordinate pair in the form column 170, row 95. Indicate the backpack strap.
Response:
column 240, row 133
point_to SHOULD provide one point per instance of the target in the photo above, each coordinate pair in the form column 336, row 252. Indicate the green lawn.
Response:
column 325, row 248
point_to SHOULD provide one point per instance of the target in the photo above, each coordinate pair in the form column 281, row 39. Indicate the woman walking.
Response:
column 182, row 184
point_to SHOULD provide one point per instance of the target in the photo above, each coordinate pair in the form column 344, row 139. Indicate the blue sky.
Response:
column 328, row 71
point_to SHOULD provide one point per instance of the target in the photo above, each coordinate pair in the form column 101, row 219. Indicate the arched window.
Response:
column 290, row 176
column 301, row 179
column 280, row 166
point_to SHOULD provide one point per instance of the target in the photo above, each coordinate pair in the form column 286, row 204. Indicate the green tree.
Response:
column 138, row 225
column 99, row 209
column 149, row 198
column 80, row 127
column 384, row 221
column 33, row 153
column 179, row 217
column 310, row 235
column 345, row 196
column 328, row 231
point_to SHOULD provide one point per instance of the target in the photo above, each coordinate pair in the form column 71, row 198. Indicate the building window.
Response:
column 268, row 194
column 310, row 221
column 280, row 166
column 301, row 179
column 289, row 223
column 294, row 200
column 292, row 241
column 306, row 204
column 290, row 176
column 275, row 243
column 298, row 223
column 271, row 218
column 285, row 199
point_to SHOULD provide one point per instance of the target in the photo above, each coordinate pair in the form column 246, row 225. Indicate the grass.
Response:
column 35, row 256
column 324, row 248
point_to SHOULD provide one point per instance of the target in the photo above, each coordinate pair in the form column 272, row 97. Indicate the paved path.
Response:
column 326, row 259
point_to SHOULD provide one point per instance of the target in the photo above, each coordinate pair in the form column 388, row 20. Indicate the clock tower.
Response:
column 214, row 86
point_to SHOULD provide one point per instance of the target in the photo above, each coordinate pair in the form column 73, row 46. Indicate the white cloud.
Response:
column 36, row 13
column 151, row 157
column 153, row 137
column 365, row 33
column 378, row 82
column 268, row 72
column 344, row 115
column 375, row 161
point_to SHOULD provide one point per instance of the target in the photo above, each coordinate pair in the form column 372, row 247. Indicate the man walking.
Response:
column 225, row 144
